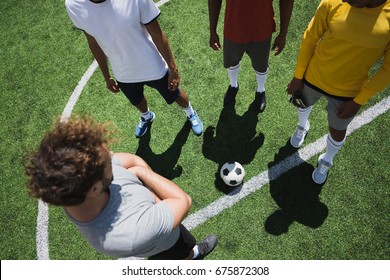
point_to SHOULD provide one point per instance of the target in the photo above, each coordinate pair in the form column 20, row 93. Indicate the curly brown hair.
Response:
column 68, row 162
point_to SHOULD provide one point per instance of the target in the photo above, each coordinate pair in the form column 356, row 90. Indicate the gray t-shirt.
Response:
column 131, row 224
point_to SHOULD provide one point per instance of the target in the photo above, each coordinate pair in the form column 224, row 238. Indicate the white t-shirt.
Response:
column 118, row 27
column 131, row 224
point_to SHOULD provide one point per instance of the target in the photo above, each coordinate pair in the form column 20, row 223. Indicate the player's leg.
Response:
column 232, row 55
column 310, row 97
column 335, row 140
column 181, row 98
column 135, row 94
column 196, row 124
column 259, row 55
column 186, row 248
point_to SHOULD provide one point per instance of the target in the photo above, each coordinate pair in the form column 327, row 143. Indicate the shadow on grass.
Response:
column 296, row 195
column 234, row 139
column 164, row 164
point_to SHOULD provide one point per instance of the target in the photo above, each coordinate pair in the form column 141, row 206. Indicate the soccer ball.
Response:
column 232, row 173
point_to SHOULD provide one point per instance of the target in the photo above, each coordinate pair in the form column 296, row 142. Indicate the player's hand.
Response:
column 279, row 44
column 214, row 42
column 348, row 109
column 173, row 80
column 112, row 85
column 295, row 86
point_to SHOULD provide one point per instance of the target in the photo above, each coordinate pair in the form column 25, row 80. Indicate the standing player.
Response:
column 248, row 28
column 128, row 33
column 344, row 39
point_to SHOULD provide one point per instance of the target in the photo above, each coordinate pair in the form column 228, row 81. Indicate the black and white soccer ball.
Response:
column 232, row 173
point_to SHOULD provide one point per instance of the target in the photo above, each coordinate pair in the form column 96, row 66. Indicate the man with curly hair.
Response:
column 121, row 206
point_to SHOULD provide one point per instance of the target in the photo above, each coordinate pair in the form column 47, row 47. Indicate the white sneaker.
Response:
column 320, row 174
column 299, row 135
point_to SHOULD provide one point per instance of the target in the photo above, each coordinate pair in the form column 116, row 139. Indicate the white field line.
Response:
column 161, row 2
column 77, row 91
column 42, row 239
column 213, row 209
column 43, row 213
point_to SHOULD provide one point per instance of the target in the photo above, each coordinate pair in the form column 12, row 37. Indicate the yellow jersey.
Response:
column 340, row 46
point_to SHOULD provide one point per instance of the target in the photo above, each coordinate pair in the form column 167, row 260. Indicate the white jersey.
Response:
column 118, row 27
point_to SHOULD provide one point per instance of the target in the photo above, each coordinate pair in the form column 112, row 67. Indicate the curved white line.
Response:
column 77, row 91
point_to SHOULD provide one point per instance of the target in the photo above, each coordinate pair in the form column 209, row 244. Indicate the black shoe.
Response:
column 261, row 103
column 230, row 95
column 206, row 246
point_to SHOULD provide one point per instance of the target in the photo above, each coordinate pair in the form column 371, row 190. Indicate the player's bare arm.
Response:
column 295, row 86
column 128, row 160
column 285, row 8
column 166, row 190
column 102, row 61
column 214, row 11
column 161, row 42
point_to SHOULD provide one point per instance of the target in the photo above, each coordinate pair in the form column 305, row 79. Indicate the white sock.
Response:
column 147, row 115
column 196, row 251
column 189, row 110
column 233, row 75
column 332, row 147
column 261, row 78
column 303, row 115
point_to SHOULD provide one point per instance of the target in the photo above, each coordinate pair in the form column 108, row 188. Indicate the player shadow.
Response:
column 165, row 163
column 295, row 193
column 233, row 139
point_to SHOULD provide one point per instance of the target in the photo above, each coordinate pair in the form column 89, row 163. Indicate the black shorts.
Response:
column 135, row 91
column 257, row 51
column 180, row 250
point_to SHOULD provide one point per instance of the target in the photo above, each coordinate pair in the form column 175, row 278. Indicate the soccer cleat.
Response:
column 299, row 135
column 143, row 125
column 206, row 246
column 196, row 124
column 320, row 174
column 230, row 95
column 260, row 101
